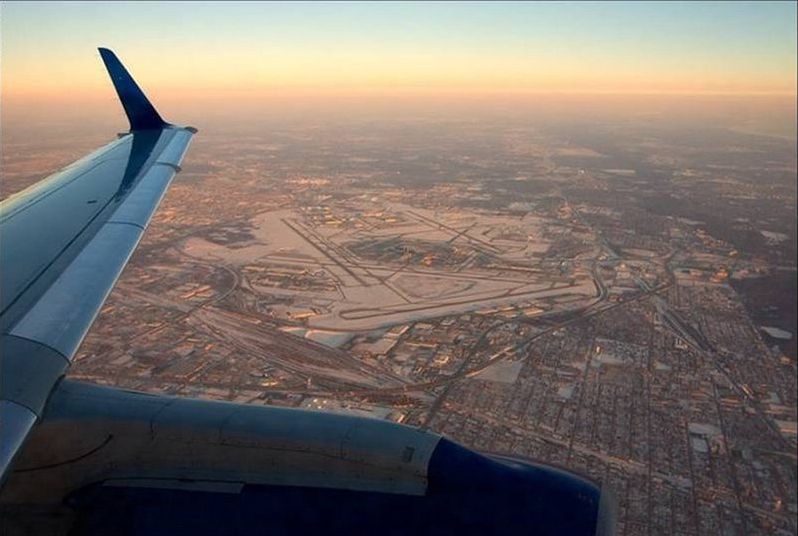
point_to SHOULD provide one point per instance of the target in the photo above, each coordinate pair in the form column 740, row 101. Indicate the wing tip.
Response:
column 140, row 111
column 106, row 53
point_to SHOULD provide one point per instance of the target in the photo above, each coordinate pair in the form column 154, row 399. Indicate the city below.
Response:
column 616, row 298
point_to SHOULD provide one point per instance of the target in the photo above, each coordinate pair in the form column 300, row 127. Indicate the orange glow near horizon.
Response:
column 309, row 75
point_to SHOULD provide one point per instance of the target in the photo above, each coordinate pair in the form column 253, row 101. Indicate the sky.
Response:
column 186, row 48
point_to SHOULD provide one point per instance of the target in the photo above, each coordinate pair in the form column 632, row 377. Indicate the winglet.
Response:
column 140, row 112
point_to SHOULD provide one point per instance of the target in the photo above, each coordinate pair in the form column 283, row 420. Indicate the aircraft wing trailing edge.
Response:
column 63, row 244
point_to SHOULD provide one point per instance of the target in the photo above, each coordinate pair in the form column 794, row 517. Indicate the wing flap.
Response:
column 16, row 421
column 142, row 202
column 176, row 150
column 64, row 313
column 29, row 369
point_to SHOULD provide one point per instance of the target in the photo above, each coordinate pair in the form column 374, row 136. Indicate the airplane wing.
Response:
column 63, row 244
